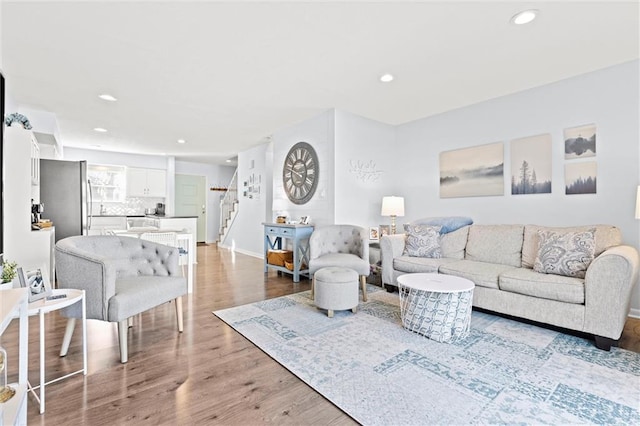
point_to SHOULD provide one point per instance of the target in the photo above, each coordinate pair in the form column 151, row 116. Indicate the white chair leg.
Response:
column 68, row 332
column 179, row 313
column 363, row 283
column 123, row 328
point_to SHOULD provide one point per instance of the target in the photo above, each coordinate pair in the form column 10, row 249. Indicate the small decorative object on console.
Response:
column 18, row 118
column 37, row 282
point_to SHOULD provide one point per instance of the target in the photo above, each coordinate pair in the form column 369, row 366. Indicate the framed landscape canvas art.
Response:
column 472, row 172
column 580, row 142
column 581, row 178
column 531, row 165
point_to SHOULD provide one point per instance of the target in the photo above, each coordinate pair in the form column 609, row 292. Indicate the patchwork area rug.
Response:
column 505, row 372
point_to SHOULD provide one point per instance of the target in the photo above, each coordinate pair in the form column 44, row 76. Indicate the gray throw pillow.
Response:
column 423, row 241
column 565, row 253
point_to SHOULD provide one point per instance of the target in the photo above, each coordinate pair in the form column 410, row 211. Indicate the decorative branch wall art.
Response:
column 472, row 172
column 364, row 171
column 531, row 165
column 580, row 142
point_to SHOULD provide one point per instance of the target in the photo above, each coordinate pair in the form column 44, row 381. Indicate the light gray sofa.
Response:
column 122, row 277
column 499, row 260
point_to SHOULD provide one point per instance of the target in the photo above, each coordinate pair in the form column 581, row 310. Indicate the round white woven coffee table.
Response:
column 436, row 306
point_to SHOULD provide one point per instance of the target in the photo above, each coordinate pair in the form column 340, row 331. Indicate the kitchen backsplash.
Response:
column 132, row 206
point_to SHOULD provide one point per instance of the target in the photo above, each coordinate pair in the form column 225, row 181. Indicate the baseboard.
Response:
column 634, row 313
column 246, row 252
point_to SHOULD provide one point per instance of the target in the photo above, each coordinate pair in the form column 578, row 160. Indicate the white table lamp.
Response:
column 392, row 206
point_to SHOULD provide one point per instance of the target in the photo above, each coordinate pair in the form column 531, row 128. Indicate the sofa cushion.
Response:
column 453, row 243
column 410, row 264
column 344, row 260
column 495, row 244
column 565, row 253
column 553, row 287
column 481, row 273
column 606, row 236
column 422, row 241
column 141, row 293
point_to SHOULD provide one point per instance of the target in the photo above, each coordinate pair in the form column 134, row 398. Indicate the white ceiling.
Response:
column 226, row 75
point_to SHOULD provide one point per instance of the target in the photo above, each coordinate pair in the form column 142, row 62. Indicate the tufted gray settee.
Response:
column 499, row 259
column 345, row 246
column 122, row 277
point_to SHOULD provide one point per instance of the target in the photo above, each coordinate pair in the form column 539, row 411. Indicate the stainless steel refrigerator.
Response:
column 66, row 196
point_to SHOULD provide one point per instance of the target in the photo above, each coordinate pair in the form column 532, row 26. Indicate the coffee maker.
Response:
column 36, row 211
column 160, row 209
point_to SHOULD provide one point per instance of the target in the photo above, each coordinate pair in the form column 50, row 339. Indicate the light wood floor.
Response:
column 207, row 375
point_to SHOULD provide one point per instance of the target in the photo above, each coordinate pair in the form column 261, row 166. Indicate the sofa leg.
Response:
column 389, row 288
column 68, row 332
column 363, row 284
column 605, row 343
column 179, row 313
column 313, row 285
column 123, row 328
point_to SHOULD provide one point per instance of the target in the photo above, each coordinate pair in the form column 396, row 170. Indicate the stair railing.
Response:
column 228, row 202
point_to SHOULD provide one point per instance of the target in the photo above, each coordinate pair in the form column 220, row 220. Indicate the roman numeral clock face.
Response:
column 300, row 173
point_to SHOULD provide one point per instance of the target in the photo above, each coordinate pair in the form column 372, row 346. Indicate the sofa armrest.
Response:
column 83, row 270
column 391, row 246
column 609, row 283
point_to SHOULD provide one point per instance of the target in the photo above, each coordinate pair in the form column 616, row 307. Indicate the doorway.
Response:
column 191, row 200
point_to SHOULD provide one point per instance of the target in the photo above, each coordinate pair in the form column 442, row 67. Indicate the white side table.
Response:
column 44, row 306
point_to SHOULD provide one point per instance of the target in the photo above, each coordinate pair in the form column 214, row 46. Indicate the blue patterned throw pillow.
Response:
column 565, row 253
column 423, row 241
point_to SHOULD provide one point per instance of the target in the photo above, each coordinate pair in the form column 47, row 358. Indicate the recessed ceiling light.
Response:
column 181, row 141
column 100, row 130
column 524, row 17
column 227, row 160
column 107, row 97
column 386, row 78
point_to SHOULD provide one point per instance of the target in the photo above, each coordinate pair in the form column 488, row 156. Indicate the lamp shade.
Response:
column 392, row 206
column 638, row 203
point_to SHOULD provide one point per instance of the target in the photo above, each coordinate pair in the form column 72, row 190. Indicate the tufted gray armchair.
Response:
column 346, row 246
column 122, row 277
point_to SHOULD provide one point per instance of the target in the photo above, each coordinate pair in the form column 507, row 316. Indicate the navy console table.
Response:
column 299, row 235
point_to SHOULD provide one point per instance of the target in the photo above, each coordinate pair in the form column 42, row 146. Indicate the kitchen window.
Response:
column 108, row 183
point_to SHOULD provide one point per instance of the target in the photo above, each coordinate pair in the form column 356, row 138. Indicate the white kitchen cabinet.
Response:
column 30, row 249
column 146, row 182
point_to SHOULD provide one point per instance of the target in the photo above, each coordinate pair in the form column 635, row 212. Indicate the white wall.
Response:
column 409, row 160
column 609, row 98
column 364, row 169
column 95, row 156
column 246, row 233
column 319, row 132
column 215, row 176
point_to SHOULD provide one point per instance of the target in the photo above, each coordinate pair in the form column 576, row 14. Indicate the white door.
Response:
column 191, row 200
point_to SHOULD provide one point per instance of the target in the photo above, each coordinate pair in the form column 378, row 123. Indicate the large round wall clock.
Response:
column 300, row 173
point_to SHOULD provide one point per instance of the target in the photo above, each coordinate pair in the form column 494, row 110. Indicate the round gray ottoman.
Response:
column 336, row 289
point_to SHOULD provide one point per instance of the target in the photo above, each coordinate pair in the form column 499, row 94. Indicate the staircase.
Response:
column 228, row 209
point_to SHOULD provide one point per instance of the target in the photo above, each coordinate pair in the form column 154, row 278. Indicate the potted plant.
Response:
column 9, row 272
